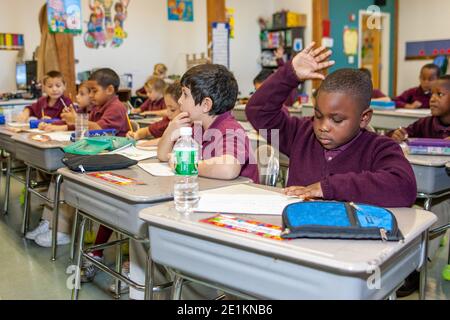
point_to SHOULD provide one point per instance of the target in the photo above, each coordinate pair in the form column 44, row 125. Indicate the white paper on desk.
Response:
column 157, row 169
column 415, row 111
column 37, row 131
column 134, row 153
column 60, row 136
column 243, row 199
column 17, row 124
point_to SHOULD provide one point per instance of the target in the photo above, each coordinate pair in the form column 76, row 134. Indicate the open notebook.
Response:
column 244, row 199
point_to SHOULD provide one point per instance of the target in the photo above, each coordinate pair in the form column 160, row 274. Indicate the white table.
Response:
column 386, row 119
column 239, row 112
column 252, row 266
column 118, row 207
column 17, row 102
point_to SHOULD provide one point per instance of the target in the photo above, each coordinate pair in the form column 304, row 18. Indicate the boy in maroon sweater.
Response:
column 438, row 125
column 419, row 97
column 52, row 105
column 332, row 155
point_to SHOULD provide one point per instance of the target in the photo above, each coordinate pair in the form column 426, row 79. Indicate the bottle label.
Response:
column 186, row 162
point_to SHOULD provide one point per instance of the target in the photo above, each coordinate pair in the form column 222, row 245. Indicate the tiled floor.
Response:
column 26, row 271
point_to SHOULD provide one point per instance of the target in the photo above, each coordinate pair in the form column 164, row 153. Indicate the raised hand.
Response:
column 308, row 63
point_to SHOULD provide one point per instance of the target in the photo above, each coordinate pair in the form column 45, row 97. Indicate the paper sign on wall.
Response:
column 64, row 16
column 350, row 41
column 221, row 44
column 180, row 10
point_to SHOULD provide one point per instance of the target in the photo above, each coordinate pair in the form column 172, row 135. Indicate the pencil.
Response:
column 66, row 108
column 43, row 115
column 129, row 124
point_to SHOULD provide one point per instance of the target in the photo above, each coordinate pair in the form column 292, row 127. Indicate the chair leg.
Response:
column 427, row 204
column 79, row 253
column 73, row 243
column 177, row 288
column 56, row 197
column 26, row 210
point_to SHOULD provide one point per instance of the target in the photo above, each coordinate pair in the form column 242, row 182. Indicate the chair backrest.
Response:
column 268, row 165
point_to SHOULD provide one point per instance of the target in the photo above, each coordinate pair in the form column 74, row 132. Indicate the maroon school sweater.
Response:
column 429, row 127
column 371, row 170
column 411, row 95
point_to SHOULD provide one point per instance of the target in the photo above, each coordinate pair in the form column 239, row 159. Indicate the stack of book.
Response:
column 429, row 146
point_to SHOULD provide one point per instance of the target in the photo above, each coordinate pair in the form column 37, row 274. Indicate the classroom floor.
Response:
column 26, row 272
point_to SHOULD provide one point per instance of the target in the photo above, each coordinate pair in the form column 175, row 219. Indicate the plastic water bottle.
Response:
column 186, row 155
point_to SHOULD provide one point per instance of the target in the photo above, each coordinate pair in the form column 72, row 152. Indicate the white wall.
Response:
column 152, row 39
column 246, row 46
column 21, row 17
column 419, row 20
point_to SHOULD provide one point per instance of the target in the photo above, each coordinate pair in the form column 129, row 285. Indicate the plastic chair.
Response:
column 268, row 165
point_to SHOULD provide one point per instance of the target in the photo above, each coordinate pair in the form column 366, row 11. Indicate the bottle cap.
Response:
column 186, row 131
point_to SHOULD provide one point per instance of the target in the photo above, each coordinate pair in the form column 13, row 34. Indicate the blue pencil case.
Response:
column 339, row 220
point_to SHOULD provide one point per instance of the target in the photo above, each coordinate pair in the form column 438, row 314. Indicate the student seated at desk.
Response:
column 52, row 105
column 156, row 130
column 263, row 76
column 109, row 113
column 419, row 98
column 84, row 105
column 209, row 94
column 332, row 155
column 377, row 95
column 438, row 125
column 159, row 71
column 154, row 105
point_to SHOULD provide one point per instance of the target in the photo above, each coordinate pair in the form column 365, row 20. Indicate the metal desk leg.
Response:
column 76, row 288
column 119, row 262
column 74, row 235
column 177, row 287
column 58, row 182
column 26, row 210
column 149, row 278
column 7, row 185
column 424, row 269
column 427, row 204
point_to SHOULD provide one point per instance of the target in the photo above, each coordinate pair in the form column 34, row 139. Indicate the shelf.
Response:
column 280, row 29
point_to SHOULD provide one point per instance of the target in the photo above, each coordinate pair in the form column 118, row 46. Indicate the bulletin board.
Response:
column 427, row 49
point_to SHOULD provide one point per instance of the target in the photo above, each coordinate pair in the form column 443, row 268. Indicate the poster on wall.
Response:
column 350, row 39
column 64, row 16
column 106, row 25
column 181, row 10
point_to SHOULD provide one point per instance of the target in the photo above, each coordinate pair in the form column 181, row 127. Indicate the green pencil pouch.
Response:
column 97, row 145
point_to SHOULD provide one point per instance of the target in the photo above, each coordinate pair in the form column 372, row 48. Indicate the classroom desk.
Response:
column 255, row 267
column 16, row 102
column 386, row 119
column 7, row 144
column 118, row 207
column 239, row 112
column 45, row 157
column 430, row 172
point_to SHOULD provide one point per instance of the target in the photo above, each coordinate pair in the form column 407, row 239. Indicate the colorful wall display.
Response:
column 180, row 10
column 106, row 25
column 64, row 16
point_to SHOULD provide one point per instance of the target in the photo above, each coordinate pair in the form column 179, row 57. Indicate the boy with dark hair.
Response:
column 52, row 105
column 209, row 94
column 109, row 112
column 332, row 155
column 438, row 125
column 261, row 77
column 419, row 97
